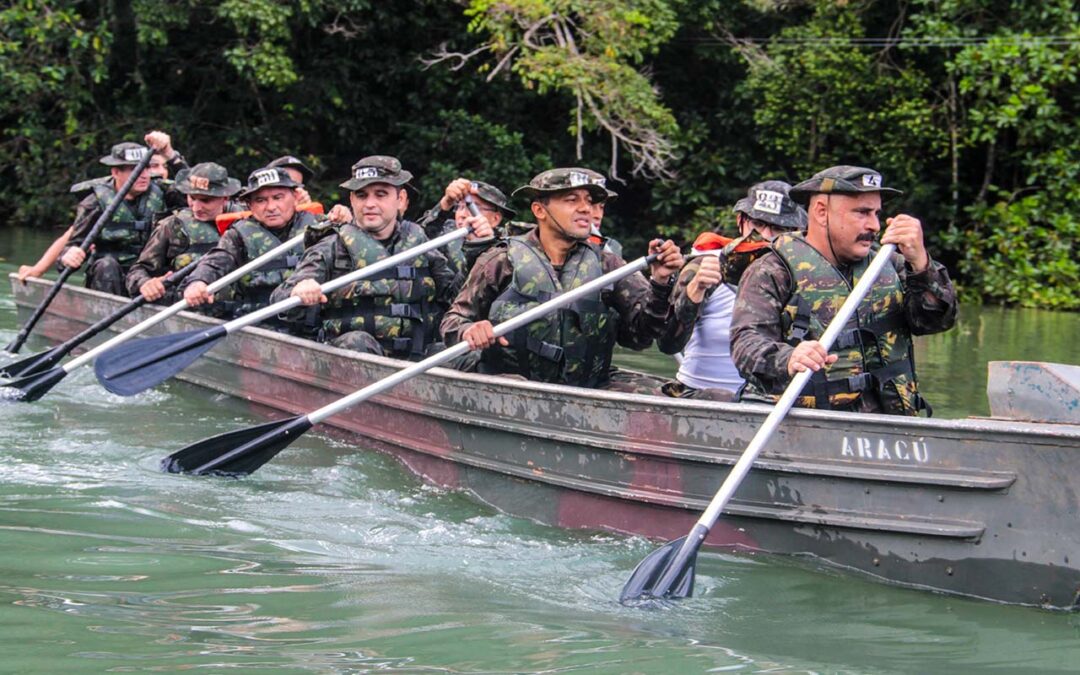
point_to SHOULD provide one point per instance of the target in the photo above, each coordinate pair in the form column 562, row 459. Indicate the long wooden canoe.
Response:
column 985, row 508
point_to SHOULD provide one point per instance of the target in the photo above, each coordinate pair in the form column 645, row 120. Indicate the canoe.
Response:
column 984, row 508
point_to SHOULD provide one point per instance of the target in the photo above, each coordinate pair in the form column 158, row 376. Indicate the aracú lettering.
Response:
column 915, row 451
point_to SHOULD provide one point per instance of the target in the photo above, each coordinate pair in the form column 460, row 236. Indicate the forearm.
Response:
column 682, row 315
column 643, row 310
column 930, row 302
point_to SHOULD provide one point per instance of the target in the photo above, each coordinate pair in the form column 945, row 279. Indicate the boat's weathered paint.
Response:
column 1032, row 391
column 982, row 508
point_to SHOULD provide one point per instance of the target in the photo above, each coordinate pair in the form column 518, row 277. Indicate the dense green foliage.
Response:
column 968, row 105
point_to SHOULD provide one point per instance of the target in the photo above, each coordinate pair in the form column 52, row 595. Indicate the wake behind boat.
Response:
column 980, row 508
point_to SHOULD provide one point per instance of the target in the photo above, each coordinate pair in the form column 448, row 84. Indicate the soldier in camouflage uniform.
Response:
column 596, row 236
column 789, row 296
column 451, row 212
column 573, row 345
column 394, row 313
column 704, row 295
column 271, row 196
column 185, row 236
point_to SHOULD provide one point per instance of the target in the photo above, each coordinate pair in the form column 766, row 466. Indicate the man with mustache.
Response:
column 573, row 345
column 185, row 236
column 271, row 197
column 394, row 313
column 788, row 297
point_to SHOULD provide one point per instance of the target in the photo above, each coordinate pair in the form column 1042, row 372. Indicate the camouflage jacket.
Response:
column 168, row 240
column 757, row 332
column 328, row 258
column 683, row 314
column 641, row 304
column 464, row 254
column 229, row 254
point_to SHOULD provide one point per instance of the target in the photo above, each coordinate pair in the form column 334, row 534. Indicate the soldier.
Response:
column 271, row 196
column 701, row 305
column 396, row 312
column 186, row 235
column 607, row 243
column 790, row 295
column 573, row 345
column 298, row 171
column 451, row 212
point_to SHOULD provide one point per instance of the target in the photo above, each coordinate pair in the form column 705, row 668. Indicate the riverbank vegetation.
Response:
column 967, row 105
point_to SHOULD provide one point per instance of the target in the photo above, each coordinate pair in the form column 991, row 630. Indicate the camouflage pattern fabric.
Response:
column 175, row 242
column 106, row 275
column 335, row 251
column 633, row 382
column 125, row 234
column 684, row 311
column 572, row 345
column 676, row 389
column 358, row 341
column 902, row 304
column 640, row 304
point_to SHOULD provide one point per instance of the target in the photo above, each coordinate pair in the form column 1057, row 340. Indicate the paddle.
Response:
column 668, row 572
column 240, row 452
column 146, row 363
column 16, row 344
column 42, row 361
column 33, row 387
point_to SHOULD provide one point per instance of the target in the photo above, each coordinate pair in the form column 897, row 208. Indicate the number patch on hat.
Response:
column 267, row 177
column 199, row 182
column 366, row 172
column 871, row 180
column 134, row 154
column 768, row 201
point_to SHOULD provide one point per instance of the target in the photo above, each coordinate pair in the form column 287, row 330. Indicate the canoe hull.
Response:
column 979, row 508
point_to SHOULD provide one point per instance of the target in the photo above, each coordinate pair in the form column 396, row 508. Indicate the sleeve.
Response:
column 930, row 303
column 317, row 263
column 757, row 345
column 641, row 303
column 490, row 276
column 228, row 255
column 434, row 220
column 448, row 279
column 153, row 259
column 683, row 314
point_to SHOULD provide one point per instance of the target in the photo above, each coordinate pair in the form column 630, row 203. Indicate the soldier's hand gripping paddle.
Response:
column 16, row 344
column 142, row 364
column 240, row 452
column 668, row 572
column 33, row 387
column 42, row 361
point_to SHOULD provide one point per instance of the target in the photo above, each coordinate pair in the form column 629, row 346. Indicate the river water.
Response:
column 334, row 561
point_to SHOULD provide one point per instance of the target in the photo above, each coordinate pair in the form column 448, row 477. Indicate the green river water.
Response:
column 330, row 560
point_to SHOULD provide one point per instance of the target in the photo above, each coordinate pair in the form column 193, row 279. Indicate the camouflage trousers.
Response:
column 632, row 382
column 365, row 343
column 106, row 275
column 676, row 389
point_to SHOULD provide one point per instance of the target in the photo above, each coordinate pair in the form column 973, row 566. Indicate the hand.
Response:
column 481, row 335
column 455, row 192
column 810, row 354
column 906, row 232
column 160, row 142
column 309, row 292
column 707, row 276
column 340, row 214
column 669, row 262
column 481, row 228
column 197, row 293
column 28, row 271
column 153, row 289
column 74, row 257
column 302, row 196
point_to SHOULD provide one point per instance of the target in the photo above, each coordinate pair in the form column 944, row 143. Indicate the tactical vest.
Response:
column 253, row 290
column 125, row 234
column 395, row 306
column 200, row 235
column 570, row 346
column 874, row 350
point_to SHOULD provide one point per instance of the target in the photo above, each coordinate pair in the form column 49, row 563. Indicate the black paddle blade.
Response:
column 31, row 387
column 136, row 366
column 644, row 582
column 237, row 453
column 33, row 364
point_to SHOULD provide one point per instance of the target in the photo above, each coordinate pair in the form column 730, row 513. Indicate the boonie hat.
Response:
column 494, row 196
column 208, row 179
column 559, row 180
column 841, row 179
column 377, row 169
column 769, row 202
column 290, row 162
column 125, row 154
column 265, row 177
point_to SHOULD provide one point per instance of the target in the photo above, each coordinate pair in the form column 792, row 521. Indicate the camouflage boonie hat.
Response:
column 559, row 180
column 125, row 154
column 267, row 177
column 494, row 196
column 207, row 179
column 377, row 169
column 769, row 202
column 841, row 179
column 290, row 162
